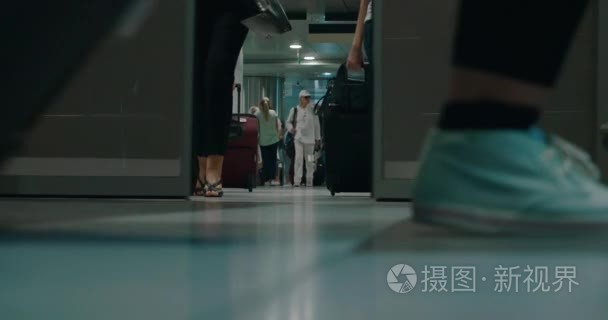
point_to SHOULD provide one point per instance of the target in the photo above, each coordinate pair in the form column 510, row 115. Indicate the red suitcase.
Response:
column 241, row 158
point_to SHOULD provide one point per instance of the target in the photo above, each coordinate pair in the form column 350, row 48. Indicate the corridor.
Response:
column 277, row 253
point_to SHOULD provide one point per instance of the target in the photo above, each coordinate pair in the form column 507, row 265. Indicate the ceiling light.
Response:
column 327, row 73
column 309, row 58
column 295, row 46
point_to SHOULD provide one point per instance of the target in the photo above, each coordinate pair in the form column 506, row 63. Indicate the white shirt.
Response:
column 308, row 127
column 368, row 17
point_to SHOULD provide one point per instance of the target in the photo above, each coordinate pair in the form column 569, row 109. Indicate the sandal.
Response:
column 200, row 188
column 214, row 190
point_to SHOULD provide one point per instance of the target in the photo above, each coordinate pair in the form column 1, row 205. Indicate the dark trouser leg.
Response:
column 273, row 169
column 205, row 23
column 264, row 151
column 521, row 41
column 269, row 162
column 219, row 38
column 222, row 43
column 272, row 162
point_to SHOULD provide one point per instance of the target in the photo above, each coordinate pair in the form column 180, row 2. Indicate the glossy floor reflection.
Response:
column 278, row 253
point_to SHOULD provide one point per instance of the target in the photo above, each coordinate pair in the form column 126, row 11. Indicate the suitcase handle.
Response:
column 238, row 88
column 236, row 131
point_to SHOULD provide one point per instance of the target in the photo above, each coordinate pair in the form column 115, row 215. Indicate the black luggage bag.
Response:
column 348, row 152
column 346, row 117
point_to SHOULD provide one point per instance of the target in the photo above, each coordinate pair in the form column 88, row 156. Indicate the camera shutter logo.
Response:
column 402, row 278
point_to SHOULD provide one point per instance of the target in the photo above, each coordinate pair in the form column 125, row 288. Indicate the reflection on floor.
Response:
column 279, row 253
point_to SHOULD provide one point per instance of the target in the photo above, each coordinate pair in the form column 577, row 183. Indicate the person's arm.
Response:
column 317, row 130
column 355, row 57
column 289, row 123
column 278, row 126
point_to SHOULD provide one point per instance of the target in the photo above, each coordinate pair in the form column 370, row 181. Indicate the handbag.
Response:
column 352, row 95
column 268, row 17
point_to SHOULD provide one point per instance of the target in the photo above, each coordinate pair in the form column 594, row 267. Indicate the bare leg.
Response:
column 475, row 85
column 214, row 167
column 502, row 71
column 202, row 165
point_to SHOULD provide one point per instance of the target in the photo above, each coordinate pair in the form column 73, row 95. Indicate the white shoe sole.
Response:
column 504, row 223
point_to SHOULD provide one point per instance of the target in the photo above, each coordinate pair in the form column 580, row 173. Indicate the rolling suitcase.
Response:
column 241, row 158
column 347, row 135
column 348, row 150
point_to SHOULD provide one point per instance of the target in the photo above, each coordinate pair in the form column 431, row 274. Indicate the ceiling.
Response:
column 271, row 56
column 313, row 5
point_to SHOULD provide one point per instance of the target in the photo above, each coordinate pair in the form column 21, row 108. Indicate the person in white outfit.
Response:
column 307, row 133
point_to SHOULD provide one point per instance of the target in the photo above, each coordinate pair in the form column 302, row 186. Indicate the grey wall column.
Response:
column 255, row 88
column 412, row 50
column 122, row 127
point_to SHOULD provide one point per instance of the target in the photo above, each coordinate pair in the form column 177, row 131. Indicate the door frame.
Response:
column 602, row 82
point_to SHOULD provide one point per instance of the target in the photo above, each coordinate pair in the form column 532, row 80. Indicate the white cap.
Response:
column 305, row 93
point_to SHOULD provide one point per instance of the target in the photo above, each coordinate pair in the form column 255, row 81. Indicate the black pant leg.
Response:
column 225, row 43
column 521, row 39
column 269, row 162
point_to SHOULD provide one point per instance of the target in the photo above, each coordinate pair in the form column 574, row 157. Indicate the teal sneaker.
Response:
column 508, row 181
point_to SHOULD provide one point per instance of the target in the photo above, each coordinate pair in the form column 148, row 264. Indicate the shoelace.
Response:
column 573, row 158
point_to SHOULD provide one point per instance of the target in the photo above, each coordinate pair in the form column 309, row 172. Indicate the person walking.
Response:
column 220, row 35
column 303, row 123
column 269, row 140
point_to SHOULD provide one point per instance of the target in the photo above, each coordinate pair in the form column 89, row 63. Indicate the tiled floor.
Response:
column 277, row 253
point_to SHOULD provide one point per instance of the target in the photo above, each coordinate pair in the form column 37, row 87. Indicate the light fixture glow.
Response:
column 327, row 73
column 309, row 58
column 295, row 46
